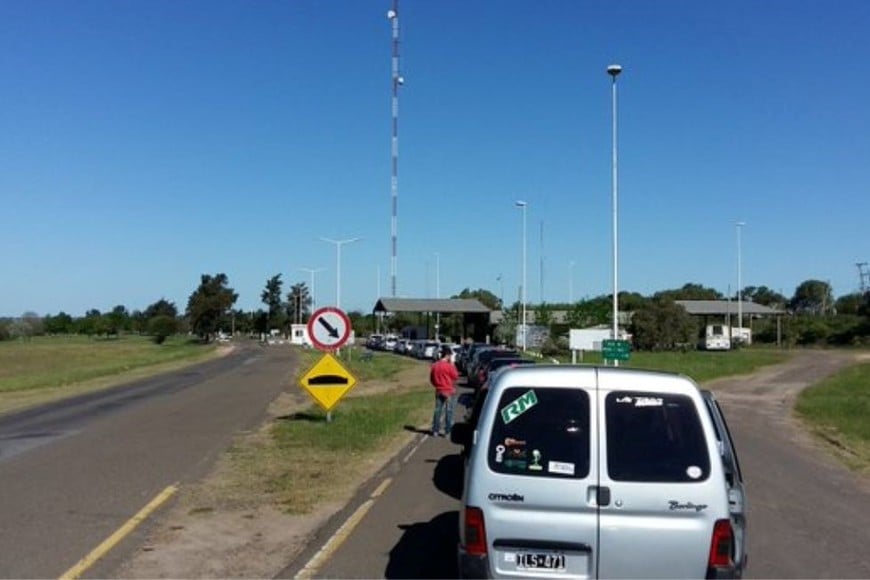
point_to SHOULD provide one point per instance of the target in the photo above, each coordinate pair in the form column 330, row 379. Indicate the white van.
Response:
column 597, row 472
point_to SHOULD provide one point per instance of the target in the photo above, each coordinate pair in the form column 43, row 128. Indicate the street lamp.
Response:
column 523, row 205
column 571, row 282
column 313, row 271
column 338, row 245
column 437, row 295
column 614, row 70
column 739, row 226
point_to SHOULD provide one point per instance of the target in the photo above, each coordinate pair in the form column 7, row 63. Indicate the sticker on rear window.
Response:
column 560, row 467
column 641, row 401
column 518, row 407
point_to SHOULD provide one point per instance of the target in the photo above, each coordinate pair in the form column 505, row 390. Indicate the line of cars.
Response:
column 424, row 349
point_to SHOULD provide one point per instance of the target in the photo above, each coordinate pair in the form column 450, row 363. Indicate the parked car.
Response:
column 428, row 350
column 468, row 355
column 598, row 472
column 498, row 362
column 482, row 358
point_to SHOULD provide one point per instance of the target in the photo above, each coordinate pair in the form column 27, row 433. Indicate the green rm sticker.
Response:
column 518, row 407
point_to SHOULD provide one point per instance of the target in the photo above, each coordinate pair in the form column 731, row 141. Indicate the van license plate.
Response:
column 538, row 561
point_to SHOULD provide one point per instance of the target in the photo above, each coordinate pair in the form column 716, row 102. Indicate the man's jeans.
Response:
column 443, row 405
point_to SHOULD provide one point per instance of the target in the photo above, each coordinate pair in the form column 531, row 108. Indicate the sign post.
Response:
column 328, row 381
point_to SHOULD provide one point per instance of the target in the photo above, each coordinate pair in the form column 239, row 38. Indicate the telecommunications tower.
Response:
column 397, row 81
column 863, row 276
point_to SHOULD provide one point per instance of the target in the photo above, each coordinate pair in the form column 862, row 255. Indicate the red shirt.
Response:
column 443, row 377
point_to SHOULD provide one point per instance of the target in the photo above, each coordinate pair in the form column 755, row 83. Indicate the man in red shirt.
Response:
column 443, row 376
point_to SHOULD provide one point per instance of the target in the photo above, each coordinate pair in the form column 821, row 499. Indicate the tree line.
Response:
column 812, row 316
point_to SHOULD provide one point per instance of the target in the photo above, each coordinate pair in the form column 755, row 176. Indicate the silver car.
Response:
column 599, row 472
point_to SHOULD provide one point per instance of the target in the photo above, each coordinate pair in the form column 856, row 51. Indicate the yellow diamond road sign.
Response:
column 327, row 382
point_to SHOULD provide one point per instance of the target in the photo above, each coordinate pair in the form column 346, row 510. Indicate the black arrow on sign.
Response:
column 333, row 332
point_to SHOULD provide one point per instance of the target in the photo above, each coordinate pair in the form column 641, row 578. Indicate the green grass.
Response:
column 313, row 460
column 51, row 362
column 699, row 365
column 838, row 409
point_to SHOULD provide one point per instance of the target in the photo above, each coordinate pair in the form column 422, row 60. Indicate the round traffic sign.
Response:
column 328, row 328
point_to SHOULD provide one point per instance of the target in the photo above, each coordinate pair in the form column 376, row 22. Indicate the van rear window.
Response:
column 654, row 437
column 541, row 432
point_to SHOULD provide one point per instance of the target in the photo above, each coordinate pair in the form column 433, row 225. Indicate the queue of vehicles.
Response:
column 424, row 349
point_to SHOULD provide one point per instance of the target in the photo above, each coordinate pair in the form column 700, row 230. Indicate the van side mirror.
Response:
column 461, row 434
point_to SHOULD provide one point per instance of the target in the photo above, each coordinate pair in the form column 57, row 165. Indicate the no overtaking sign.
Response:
column 328, row 328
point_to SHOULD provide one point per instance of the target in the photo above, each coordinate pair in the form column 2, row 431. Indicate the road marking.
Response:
column 335, row 541
column 341, row 534
column 82, row 566
column 382, row 488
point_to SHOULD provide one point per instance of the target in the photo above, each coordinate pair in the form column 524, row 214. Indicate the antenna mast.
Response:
column 864, row 277
column 397, row 81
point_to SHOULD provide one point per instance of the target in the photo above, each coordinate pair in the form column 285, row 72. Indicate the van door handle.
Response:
column 603, row 496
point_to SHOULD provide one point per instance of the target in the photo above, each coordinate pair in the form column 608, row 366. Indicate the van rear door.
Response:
column 665, row 491
column 539, row 490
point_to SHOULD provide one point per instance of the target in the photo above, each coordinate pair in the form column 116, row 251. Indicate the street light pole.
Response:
column 523, row 205
column 438, row 295
column 571, row 282
column 312, row 271
column 338, row 245
column 739, row 281
column 614, row 70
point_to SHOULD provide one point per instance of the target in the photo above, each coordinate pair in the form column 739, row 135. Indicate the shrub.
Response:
column 162, row 327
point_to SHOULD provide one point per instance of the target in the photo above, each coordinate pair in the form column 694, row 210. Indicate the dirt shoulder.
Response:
column 213, row 529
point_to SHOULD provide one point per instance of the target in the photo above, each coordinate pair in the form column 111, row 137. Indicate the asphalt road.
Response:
column 809, row 517
column 73, row 472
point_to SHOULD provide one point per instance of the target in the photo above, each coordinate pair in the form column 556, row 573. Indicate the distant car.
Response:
column 428, row 350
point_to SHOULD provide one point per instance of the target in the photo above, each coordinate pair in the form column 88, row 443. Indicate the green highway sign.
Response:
column 615, row 349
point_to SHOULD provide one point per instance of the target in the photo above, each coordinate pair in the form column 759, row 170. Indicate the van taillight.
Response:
column 475, row 532
column 721, row 547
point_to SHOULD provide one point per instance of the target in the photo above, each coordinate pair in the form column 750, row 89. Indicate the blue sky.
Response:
column 145, row 143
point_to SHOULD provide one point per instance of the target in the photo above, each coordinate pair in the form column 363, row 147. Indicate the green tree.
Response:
column 117, row 320
column 812, row 297
column 485, row 297
column 590, row 312
column 299, row 303
column 662, row 324
column 764, row 296
column 690, row 291
column 161, row 308
column 208, row 303
column 850, row 303
column 62, row 323
column 271, row 297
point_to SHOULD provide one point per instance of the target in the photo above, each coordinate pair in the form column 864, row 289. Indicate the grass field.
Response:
column 47, row 368
column 838, row 409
